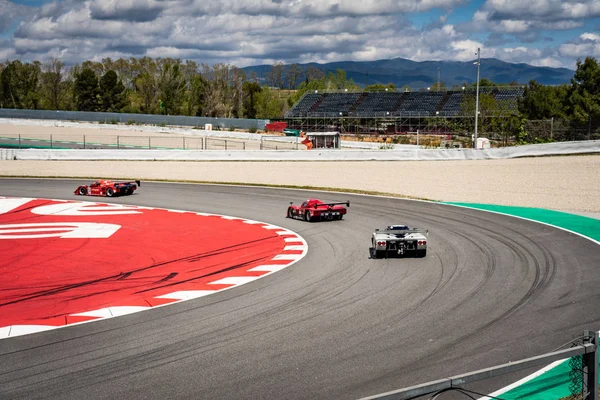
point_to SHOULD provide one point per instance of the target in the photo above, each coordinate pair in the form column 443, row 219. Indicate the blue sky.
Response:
column 249, row 32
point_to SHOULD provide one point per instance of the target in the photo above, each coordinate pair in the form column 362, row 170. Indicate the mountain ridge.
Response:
column 420, row 74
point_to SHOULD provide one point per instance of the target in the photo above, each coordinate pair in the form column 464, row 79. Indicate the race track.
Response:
column 336, row 325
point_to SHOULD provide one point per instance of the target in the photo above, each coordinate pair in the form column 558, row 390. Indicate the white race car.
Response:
column 399, row 240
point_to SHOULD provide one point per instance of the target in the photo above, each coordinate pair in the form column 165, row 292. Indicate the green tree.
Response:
column 19, row 83
column 293, row 73
column 86, row 90
column 250, row 91
column 543, row 102
column 584, row 97
column 268, row 104
column 379, row 87
column 307, row 86
column 112, row 93
column 52, row 87
column 275, row 76
column 171, row 86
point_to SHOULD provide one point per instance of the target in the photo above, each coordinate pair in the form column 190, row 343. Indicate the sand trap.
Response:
column 568, row 183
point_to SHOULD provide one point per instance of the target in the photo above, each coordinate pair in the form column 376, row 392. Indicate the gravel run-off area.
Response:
column 569, row 183
column 566, row 183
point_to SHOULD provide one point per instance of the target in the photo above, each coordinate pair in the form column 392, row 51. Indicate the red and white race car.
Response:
column 316, row 210
column 108, row 188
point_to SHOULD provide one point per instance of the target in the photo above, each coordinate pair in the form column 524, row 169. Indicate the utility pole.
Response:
column 477, row 97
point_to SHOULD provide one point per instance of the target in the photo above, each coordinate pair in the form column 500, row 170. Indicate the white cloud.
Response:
column 594, row 37
column 465, row 49
column 248, row 32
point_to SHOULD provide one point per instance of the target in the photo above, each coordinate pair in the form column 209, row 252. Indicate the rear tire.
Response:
column 290, row 214
column 307, row 217
column 82, row 191
column 379, row 253
column 129, row 191
column 110, row 192
column 421, row 253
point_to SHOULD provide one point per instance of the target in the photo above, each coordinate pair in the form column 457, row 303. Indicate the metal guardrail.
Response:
column 70, row 141
column 589, row 351
column 151, row 119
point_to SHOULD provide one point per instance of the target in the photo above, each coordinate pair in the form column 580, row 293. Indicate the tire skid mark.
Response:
column 295, row 249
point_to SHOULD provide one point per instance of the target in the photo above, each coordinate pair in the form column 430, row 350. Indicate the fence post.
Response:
column 19, row 141
column 244, row 145
column 118, row 146
column 225, row 144
column 261, row 141
column 84, row 141
column 590, row 367
column 51, row 141
column 149, row 143
column 204, row 143
column 183, row 142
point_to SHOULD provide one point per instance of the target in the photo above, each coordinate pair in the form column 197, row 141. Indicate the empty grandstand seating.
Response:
column 393, row 103
column 378, row 103
column 452, row 106
column 305, row 104
column 420, row 103
column 335, row 104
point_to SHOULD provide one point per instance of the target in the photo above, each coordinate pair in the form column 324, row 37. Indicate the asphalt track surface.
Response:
column 336, row 325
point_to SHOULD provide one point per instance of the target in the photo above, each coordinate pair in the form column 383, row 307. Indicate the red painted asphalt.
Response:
column 130, row 260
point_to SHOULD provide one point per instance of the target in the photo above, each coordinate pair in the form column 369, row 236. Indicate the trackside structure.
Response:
column 402, row 111
column 588, row 351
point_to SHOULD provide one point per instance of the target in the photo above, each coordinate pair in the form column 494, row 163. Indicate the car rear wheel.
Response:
column 307, row 216
column 379, row 253
column 290, row 213
column 421, row 253
column 129, row 191
column 110, row 192
column 82, row 191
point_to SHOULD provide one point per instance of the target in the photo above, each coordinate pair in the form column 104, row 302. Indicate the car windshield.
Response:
column 397, row 228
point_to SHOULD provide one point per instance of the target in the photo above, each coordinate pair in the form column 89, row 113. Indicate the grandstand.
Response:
column 397, row 111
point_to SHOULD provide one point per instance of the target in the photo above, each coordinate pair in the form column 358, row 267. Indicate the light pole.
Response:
column 477, row 97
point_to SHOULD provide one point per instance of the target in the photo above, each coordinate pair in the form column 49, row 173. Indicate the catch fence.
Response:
column 77, row 141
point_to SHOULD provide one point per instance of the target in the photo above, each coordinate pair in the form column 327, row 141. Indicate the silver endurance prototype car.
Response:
column 399, row 240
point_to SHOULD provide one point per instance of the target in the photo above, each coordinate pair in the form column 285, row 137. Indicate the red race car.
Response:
column 108, row 188
column 315, row 210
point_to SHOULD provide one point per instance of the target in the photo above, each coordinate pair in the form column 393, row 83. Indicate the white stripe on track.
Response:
column 186, row 294
column 235, row 280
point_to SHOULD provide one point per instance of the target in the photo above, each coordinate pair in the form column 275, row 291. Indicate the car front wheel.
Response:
column 82, row 191
column 110, row 192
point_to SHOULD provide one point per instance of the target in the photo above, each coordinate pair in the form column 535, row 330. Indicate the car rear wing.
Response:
column 403, row 231
column 343, row 203
column 139, row 183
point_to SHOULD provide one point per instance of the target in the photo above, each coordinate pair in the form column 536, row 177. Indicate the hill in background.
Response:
column 401, row 72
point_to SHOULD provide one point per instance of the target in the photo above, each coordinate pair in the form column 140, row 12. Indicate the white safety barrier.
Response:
column 403, row 154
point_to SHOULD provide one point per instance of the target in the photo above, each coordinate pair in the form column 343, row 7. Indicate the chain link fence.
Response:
column 77, row 141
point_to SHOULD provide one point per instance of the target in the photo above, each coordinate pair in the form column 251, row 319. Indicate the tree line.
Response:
column 176, row 87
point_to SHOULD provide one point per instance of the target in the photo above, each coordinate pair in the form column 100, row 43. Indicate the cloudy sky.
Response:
column 250, row 32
